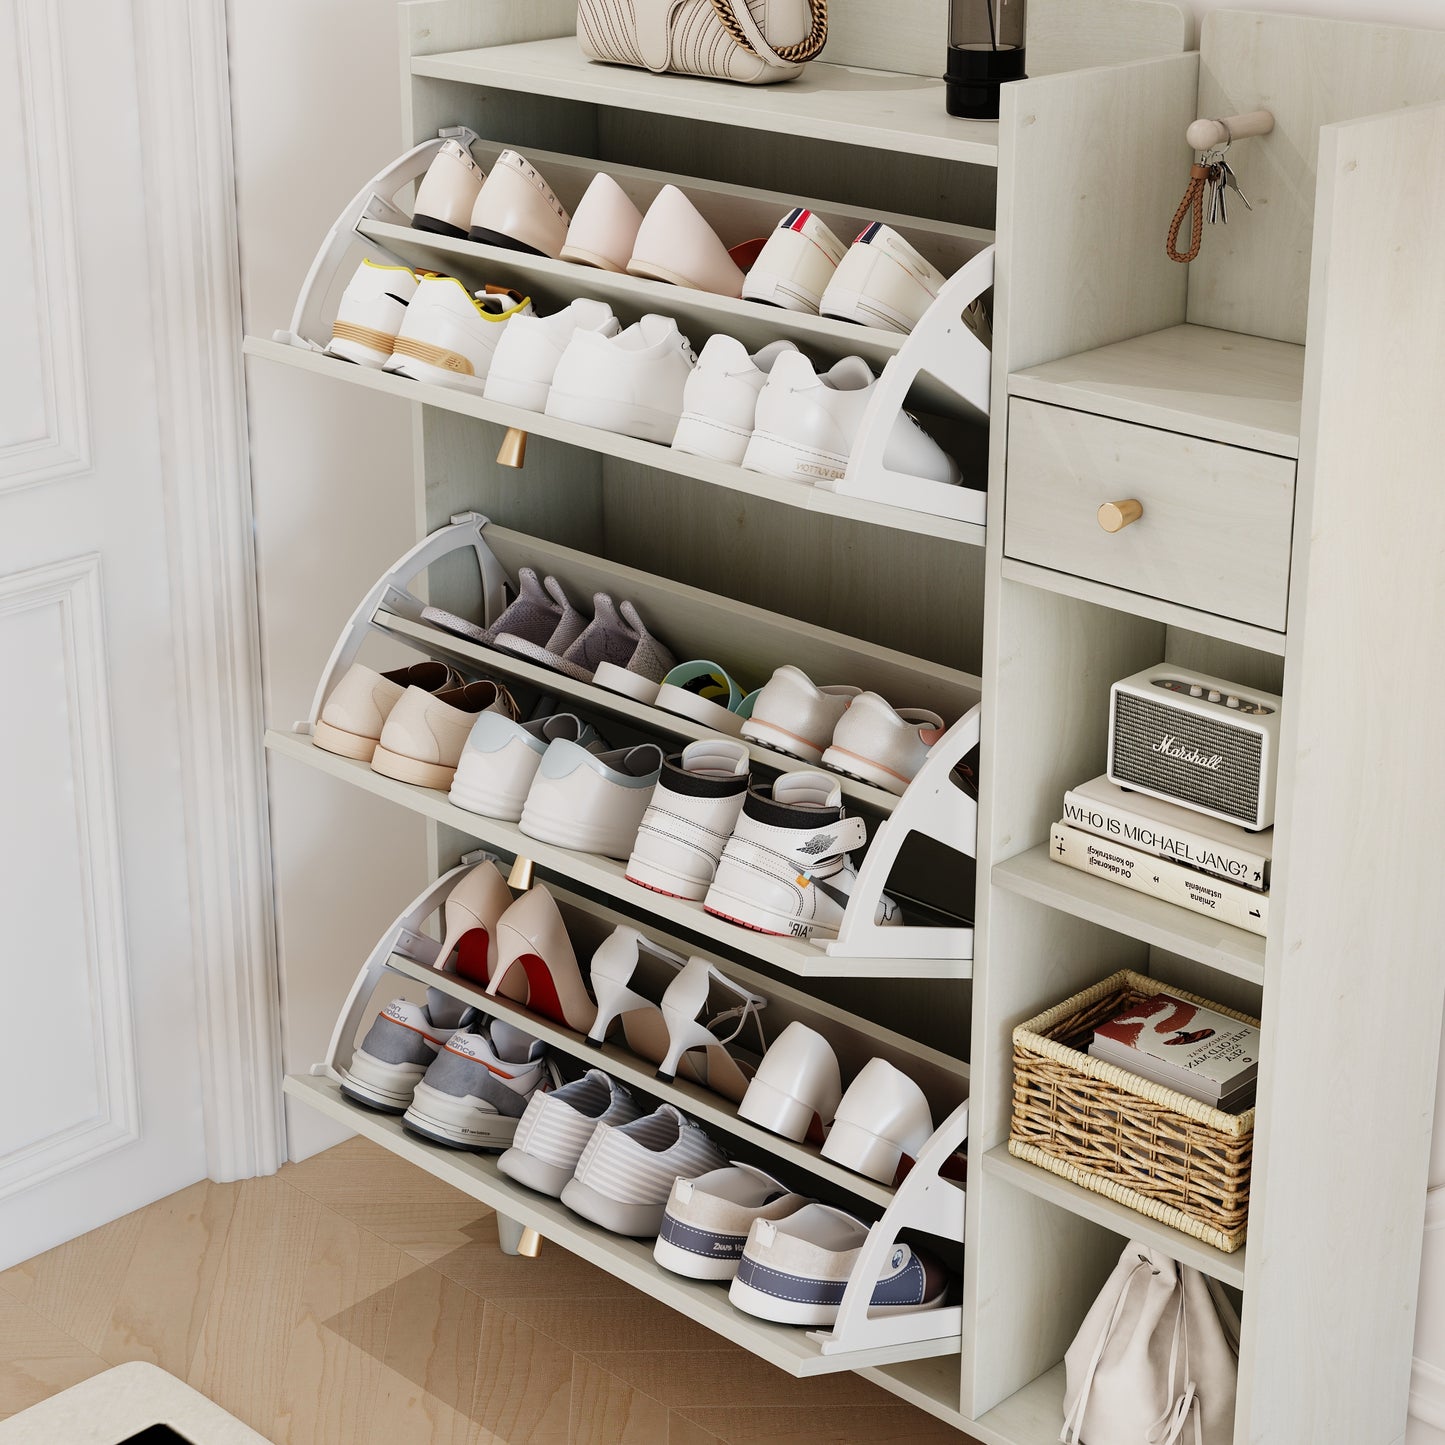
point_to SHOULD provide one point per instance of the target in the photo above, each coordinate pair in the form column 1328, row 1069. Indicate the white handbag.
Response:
column 756, row 42
column 1155, row 1361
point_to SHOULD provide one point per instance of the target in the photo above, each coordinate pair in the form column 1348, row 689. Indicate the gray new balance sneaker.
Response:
column 478, row 1088
column 399, row 1048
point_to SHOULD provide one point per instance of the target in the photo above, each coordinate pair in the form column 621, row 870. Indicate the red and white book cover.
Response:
column 1199, row 1042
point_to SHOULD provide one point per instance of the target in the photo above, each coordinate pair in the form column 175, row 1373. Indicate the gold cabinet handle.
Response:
column 1115, row 516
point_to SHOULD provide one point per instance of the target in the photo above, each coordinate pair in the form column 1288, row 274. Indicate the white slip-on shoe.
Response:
column 399, row 1047
column 882, row 282
column 424, row 734
column 592, row 802
column 531, row 346
column 697, row 800
column 793, row 715
column 786, row 869
column 797, row 1087
column 706, row 693
column 675, row 244
column 806, row 425
column 881, row 744
column 449, row 334
column 351, row 722
column 882, row 1119
column 556, row 1126
column 794, row 1270
column 796, row 263
column 478, row 1087
column 517, row 209
column 720, row 400
column 604, row 227
column 630, row 383
column 448, row 191
column 501, row 758
column 626, row 1172
column 706, row 1221
column 372, row 310
column 541, row 614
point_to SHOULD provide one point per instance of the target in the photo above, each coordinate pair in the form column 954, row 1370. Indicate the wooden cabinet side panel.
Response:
column 1354, row 971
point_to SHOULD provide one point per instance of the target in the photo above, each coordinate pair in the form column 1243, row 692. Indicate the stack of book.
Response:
column 1206, row 1055
column 1188, row 858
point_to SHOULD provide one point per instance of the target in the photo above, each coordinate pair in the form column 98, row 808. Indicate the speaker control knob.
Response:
column 1115, row 516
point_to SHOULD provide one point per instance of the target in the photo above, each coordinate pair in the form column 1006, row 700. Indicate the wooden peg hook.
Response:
column 513, row 451
column 1205, row 135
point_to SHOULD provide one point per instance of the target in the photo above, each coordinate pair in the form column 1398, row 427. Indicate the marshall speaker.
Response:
column 1199, row 741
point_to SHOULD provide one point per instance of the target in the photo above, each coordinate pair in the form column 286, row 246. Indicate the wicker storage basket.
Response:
column 1141, row 1144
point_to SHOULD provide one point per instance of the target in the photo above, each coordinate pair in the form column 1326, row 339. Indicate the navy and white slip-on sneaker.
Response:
column 795, row 1271
column 707, row 1219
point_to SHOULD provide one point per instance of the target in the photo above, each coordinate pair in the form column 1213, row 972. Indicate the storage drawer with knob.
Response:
column 1155, row 512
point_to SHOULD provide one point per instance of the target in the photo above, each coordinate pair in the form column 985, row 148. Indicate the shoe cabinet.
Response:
column 1271, row 406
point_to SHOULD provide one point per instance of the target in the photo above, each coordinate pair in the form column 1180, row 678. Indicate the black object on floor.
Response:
column 156, row 1435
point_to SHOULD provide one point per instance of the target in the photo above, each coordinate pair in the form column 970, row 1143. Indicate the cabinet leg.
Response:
column 516, row 1238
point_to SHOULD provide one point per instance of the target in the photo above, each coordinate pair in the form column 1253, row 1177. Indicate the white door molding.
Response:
column 190, row 199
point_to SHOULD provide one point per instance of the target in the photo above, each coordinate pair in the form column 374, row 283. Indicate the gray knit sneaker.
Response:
column 399, row 1048
column 476, row 1091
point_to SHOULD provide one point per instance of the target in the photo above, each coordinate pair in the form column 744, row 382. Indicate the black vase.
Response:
column 985, row 50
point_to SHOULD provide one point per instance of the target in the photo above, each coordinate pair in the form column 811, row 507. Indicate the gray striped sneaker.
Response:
column 556, row 1126
column 478, row 1089
column 626, row 1172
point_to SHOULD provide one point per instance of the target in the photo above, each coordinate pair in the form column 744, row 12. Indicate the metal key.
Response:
column 1232, row 183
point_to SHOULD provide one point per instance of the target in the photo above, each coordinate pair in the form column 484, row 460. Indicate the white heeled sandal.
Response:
column 687, row 996
column 613, row 966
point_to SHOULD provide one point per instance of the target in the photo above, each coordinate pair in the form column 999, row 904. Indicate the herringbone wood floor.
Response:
column 353, row 1300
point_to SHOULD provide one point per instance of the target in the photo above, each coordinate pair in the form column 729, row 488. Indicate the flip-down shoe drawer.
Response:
column 1193, row 522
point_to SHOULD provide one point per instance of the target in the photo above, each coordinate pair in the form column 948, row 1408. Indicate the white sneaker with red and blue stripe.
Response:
column 882, row 282
column 796, row 263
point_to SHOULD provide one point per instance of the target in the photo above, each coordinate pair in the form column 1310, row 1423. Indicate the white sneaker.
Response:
column 696, row 803
column 881, row 744
column 449, row 335
column 501, row 758
column 786, row 870
column 448, row 191
column 478, row 1087
column 807, row 424
column 518, row 210
column 626, row 1172
column 630, row 383
column 531, row 346
column 796, row 264
column 882, row 282
column 706, row 1221
column 372, row 310
column 793, row 715
column 556, row 1128
column 720, row 400
column 589, row 801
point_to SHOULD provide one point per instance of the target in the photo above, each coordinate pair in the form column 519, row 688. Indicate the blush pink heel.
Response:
column 532, row 941
column 471, row 913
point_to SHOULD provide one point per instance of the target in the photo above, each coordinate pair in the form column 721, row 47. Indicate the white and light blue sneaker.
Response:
column 501, row 758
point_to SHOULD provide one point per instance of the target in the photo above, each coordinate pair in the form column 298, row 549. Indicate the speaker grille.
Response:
column 1231, row 789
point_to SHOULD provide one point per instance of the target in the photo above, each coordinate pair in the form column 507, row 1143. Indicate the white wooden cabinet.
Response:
column 1291, row 539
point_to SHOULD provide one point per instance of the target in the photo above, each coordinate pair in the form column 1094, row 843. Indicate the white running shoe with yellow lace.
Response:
column 372, row 311
column 450, row 335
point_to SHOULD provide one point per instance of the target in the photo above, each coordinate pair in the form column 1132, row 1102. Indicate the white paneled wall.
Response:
column 317, row 110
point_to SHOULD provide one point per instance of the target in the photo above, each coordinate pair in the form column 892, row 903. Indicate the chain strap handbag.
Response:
column 755, row 42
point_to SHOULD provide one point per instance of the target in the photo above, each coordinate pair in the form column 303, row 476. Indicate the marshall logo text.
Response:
column 1171, row 747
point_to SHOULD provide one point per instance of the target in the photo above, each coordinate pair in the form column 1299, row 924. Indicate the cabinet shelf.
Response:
column 844, row 104
column 1036, row 876
column 446, row 645
column 612, row 444
column 1244, row 391
column 1227, row 1268
column 606, row 876
column 629, row 1260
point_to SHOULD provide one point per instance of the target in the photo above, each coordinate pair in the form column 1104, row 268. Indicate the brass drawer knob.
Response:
column 1115, row 516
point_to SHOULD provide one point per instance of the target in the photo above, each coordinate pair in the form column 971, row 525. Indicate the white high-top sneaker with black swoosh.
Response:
column 786, row 869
